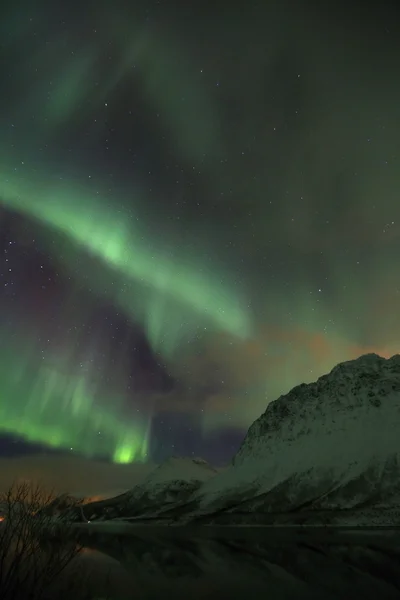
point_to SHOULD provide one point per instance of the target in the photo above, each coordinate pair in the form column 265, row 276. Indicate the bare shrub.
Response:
column 35, row 548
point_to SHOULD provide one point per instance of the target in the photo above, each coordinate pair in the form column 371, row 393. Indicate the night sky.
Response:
column 199, row 209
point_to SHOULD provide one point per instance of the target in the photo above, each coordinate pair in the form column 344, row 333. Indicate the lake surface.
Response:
column 148, row 562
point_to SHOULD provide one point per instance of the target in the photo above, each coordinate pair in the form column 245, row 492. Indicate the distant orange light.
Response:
column 2, row 519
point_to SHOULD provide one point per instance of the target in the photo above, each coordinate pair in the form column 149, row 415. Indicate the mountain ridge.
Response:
column 171, row 482
column 332, row 445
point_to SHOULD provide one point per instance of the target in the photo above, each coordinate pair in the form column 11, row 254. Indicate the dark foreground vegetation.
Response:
column 35, row 550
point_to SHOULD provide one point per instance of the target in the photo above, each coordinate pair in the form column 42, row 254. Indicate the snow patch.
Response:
column 322, row 436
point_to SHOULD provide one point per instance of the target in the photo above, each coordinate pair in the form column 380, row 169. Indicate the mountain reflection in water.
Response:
column 316, row 564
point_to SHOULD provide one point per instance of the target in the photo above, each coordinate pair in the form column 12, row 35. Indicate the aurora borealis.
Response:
column 197, row 213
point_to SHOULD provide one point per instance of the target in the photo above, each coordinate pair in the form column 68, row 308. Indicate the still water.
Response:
column 218, row 563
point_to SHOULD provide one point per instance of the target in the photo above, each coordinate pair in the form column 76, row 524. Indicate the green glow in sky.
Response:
column 48, row 404
column 175, row 293
column 166, row 292
column 173, row 298
column 210, row 180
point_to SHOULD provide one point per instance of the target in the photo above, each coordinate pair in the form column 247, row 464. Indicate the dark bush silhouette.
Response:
column 35, row 548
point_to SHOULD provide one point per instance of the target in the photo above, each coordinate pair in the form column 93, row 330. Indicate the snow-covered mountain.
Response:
column 172, row 482
column 329, row 445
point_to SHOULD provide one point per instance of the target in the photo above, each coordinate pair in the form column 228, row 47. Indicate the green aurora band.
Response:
column 170, row 297
column 69, row 86
column 175, row 293
column 43, row 404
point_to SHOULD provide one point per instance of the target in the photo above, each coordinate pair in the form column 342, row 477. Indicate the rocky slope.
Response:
column 326, row 452
column 171, row 483
column 326, row 446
